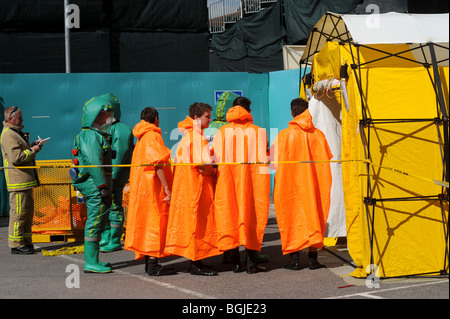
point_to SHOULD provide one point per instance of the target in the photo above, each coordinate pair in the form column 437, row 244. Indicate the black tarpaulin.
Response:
column 114, row 36
column 259, row 35
column 249, row 64
column 262, row 35
column 302, row 15
column 163, row 52
column 161, row 15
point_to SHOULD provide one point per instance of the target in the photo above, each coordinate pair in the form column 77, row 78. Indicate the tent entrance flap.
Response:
column 395, row 121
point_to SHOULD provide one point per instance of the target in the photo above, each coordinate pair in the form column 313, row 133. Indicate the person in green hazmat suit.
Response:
column 92, row 148
column 122, row 143
column 223, row 104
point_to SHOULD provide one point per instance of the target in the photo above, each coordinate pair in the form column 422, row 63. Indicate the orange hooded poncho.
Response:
column 302, row 190
column 147, row 211
column 242, row 190
column 191, row 231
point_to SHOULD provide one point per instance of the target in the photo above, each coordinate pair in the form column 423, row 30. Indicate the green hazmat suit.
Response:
column 122, row 143
column 92, row 147
column 224, row 103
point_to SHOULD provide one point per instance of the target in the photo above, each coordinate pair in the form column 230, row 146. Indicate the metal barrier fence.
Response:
column 230, row 11
column 222, row 12
column 59, row 215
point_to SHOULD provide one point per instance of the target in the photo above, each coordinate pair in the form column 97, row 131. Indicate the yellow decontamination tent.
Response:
column 390, row 74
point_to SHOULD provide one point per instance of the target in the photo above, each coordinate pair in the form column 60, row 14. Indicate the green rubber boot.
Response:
column 91, row 262
column 114, row 241
column 106, row 235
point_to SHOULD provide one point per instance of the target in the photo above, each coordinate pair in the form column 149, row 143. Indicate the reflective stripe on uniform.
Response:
column 18, row 204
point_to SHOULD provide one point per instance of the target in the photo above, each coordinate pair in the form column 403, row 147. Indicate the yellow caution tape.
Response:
column 437, row 182
column 440, row 183
column 64, row 251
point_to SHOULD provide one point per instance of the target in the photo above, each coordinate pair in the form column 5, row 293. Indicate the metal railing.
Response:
column 222, row 12
column 230, row 11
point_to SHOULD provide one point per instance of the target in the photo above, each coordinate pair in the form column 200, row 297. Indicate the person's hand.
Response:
column 106, row 197
column 36, row 148
column 206, row 170
column 168, row 193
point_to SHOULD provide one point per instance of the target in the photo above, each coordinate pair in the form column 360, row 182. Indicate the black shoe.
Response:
column 237, row 268
column 202, row 271
column 159, row 270
column 260, row 258
column 292, row 266
column 23, row 250
column 255, row 269
column 313, row 263
column 152, row 268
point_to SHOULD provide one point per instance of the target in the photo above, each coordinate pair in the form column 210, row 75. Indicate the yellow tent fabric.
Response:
column 408, row 235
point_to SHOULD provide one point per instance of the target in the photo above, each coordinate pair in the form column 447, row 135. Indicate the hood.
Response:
column 303, row 120
column 238, row 114
column 188, row 124
column 91, row 109
column 224, row 103
column 143, row 127
column 114, row 102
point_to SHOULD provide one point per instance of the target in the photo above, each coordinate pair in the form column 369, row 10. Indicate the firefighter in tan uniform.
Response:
column 17, row 151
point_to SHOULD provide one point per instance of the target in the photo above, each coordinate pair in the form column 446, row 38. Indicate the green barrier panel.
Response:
column 52, row 103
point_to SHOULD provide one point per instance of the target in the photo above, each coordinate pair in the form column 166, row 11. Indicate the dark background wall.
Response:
column 114, row 36
column 165, row 35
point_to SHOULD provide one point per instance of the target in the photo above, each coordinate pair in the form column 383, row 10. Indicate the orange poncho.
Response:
column 302, row 191
column 242, row 190
column 147, row 211
column 191, row 230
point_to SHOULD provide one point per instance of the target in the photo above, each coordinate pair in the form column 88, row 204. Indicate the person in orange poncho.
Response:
column 302, row 190
column 191, row 230
column 150, row 193
column 242, row 190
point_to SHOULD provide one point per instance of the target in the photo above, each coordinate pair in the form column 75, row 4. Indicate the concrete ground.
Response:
column 61, row 277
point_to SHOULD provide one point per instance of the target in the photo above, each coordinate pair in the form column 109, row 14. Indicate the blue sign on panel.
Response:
column 218, row 93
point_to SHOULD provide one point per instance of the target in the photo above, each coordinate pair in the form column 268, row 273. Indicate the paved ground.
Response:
column 61, row 277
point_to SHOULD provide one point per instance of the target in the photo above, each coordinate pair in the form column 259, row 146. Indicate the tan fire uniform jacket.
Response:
column 17, row 151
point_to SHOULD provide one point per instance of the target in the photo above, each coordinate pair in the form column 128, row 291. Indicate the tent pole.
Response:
column 66, row 37
column 438, row 84
column 368, row 200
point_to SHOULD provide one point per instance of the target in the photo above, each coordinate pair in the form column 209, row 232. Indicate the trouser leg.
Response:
column 113, row 229
column 251, row 258
column 96, row 211
column 96, row 218
column 20, row 218
column 116, row 214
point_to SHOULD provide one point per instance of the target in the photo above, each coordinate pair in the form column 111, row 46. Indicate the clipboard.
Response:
column 43, row 141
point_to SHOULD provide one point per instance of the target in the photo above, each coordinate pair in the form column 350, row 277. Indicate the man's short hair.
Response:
column 242, row 101
column 10, row 112
column 198, row 109
column 298, row 106
column 149, row 114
